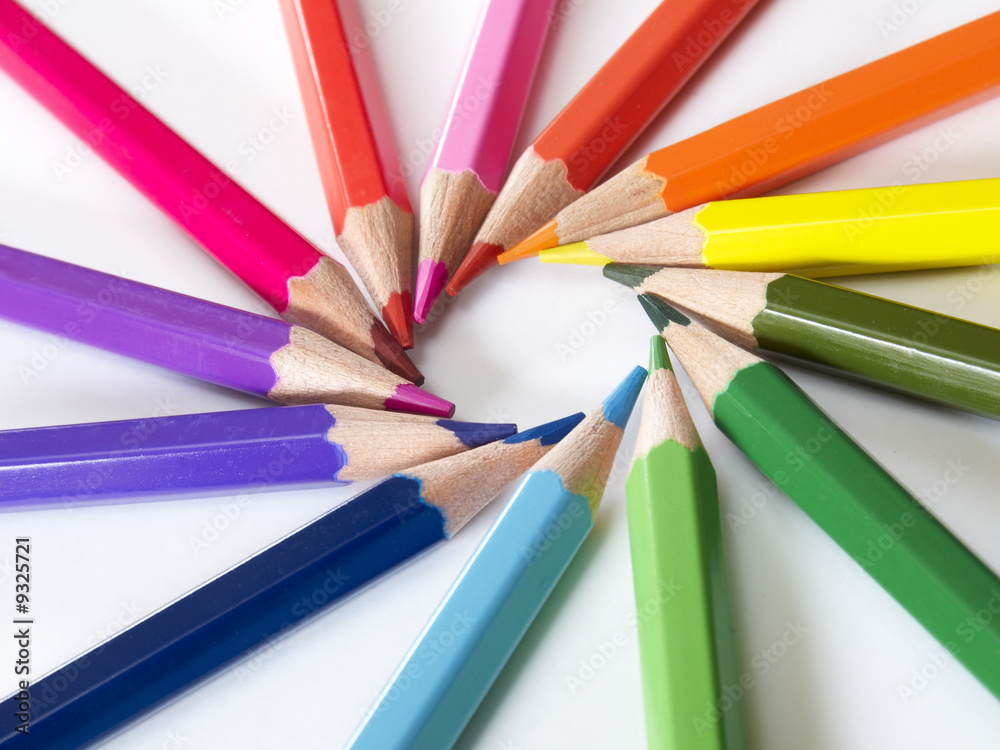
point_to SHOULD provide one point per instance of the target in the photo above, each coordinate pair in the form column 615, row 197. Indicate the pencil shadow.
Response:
column 531, row 641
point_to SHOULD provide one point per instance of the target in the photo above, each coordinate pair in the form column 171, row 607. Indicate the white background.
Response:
column 225, row 68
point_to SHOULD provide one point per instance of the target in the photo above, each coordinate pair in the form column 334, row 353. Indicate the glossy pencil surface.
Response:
column 303, row 285
column 686, row 640
column 791, row 137
column 498, row 594
column 895, row 228
column 468, row 166
column 249, row 451
column 843, row 489
column 601, row 121
column 261, row 597
column 352, row 138
column 936, row 357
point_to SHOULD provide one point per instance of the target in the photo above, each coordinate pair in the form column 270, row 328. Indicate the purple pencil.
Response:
column 267, row 357
column 248, row 450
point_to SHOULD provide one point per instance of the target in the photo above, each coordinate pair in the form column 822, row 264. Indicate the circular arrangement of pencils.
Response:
column 759, row 551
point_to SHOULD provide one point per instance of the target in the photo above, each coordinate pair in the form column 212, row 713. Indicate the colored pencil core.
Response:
column 410, row 398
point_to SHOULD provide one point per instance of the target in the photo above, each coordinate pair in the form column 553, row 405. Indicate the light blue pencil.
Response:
column 449, row 670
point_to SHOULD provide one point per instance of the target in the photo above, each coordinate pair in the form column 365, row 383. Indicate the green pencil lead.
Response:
column 661, row 313
column 630, row 276
column 658, row 357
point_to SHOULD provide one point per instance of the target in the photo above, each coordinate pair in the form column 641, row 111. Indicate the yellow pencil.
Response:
column 891, row 228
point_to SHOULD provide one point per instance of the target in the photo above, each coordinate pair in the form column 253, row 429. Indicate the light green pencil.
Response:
column 686, row 641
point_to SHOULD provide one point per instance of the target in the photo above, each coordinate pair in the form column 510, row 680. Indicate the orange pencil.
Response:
column 792, row 137
column 351, row 135
column 596, row 127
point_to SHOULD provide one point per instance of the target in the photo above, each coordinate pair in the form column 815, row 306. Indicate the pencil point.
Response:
column 658, row 357
column 550, row 432
column 398, row 317
column 392, row 356
column 411, row 399
column 474, row 434
column 542, row 239
column 431, row 278
column 576, row 253
column 481, row 256
column 618, row 406
column 661, row 313
column 630, row 276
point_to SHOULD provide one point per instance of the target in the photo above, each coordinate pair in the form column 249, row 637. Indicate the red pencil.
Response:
column 305, row 286
column 357, row 159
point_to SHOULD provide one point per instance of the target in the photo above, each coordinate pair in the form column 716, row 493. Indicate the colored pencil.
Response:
column 467, row 170
column 686, row 641
column 843, row 489
column 495, row 598
column 303, row 285
column 261, row 598
column 935, row 357
column 352, row 138
column 838, row 233
column 267, row 357
column 601, row 121
column 228, row 452
column 791, row 137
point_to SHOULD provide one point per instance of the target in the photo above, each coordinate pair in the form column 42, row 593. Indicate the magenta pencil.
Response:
column 305, row 286
column 468, row 167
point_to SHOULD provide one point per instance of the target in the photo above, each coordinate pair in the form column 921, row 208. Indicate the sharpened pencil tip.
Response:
column 431, row 277
column 661, row 313
column 481, row 256
column 392, row 356
column 474, row 434
column 398, row 317
column 542, row 239
column 550, row 432
column 630, row 276
column 658, row 357
column 416, row 401
column 618, row 406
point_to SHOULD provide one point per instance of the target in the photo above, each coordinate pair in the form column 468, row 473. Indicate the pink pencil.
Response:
column 305, row 286
column 468, row 168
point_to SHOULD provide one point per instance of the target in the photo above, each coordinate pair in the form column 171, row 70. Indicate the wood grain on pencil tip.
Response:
column 352, row 139
column 260, row 598
column 232, row 452
column 269, row 256
column 872, row 230
column 468, row 166
column 503, row 586
column 928, row 571
column 601, row 121
column 236, row 349
column 687, row 643
column 935, row 357
column 791, row 137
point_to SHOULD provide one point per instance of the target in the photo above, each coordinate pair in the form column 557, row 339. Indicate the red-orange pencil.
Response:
column 601, row 121
column 791, row 137
column 351, row 135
